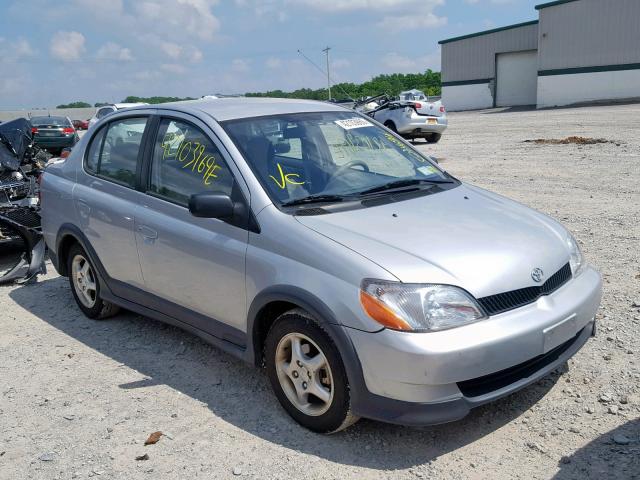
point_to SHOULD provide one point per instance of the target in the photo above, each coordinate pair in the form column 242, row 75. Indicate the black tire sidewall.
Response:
column 93, row 312
column 434, row 138
column 333, row 418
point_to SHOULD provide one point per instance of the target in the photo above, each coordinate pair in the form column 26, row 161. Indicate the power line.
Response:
column 329, row 79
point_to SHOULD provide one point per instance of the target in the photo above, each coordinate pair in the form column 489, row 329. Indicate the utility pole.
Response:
column 326, row 51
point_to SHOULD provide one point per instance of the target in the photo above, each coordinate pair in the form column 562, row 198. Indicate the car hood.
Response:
column 464, row 236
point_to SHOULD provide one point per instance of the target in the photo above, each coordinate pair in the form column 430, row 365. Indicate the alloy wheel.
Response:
column 84, row 281
column 304, row 374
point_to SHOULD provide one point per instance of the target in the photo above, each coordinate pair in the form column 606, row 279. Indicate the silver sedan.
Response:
column 309, row 240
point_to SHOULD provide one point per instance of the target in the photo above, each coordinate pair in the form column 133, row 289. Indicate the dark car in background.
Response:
column 53, row 133
column 80, row 124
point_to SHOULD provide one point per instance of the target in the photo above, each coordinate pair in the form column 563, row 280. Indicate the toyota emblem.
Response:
column 537, row 275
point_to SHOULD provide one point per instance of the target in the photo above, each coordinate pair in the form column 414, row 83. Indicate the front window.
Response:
column 186, row 162
column 329, row 156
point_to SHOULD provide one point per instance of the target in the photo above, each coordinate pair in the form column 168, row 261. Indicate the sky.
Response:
column 57, row 51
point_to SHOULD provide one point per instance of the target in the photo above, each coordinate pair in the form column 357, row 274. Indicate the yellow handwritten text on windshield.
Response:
column 285, row 178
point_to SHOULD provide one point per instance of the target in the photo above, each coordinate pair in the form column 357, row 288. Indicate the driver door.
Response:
column 195, row 263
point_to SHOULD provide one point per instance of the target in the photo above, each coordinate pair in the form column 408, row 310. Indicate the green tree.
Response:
column 154, row 100
column 391, row 84
column 75, row 105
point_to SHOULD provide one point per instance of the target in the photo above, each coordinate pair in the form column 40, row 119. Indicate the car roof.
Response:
column 231, row 108
column 127, row 105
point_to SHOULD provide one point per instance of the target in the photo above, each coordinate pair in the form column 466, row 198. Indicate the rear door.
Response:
column 195, row 263
column 105, row 197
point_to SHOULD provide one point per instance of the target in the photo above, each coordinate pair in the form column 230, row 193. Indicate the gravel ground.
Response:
column 79, row 397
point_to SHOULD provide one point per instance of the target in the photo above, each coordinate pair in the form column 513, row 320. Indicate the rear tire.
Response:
column 85, row 285
column 433, row 138
column 391, row 126
column 302, row 360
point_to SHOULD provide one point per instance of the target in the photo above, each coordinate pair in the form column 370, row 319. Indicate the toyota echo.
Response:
column 311, row 241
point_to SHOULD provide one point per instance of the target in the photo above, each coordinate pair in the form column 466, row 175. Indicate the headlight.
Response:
column 418, row 307
column 576, row 259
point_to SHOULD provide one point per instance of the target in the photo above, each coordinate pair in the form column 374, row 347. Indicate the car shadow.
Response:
column 166, row 355
column 614, row 455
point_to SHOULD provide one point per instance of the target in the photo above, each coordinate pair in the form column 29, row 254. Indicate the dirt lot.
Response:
column 78, row 398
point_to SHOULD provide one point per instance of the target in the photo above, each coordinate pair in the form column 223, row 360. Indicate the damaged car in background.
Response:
column 413, row 115
column 22, row 250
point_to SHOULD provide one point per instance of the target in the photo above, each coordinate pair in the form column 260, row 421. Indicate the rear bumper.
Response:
column 424, row 378
column 55, row 142
column 418, row 126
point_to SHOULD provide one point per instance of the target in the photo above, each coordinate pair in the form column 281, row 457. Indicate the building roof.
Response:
column 487, row 32
column 551, row 4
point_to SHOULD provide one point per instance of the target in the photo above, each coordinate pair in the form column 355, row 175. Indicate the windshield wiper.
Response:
column 402, row 183
column 314, row 199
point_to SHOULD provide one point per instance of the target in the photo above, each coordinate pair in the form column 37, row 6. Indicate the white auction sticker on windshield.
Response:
column 430, row 170
column 351, row 123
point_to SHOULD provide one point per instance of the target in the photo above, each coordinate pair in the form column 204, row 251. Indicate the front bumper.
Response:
column 428, row 378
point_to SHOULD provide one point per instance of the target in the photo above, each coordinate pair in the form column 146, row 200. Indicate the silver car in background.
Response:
column 105, row 110
column 307, row 239
column 413, row 115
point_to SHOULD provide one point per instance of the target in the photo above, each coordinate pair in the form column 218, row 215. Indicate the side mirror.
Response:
column 211, row 205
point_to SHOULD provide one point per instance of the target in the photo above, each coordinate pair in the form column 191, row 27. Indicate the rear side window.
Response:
column 186, row 162
column 93, row 155
column 113, row 152
column 104, row 111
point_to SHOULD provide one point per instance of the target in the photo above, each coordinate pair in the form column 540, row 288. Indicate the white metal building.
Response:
column 578, row 51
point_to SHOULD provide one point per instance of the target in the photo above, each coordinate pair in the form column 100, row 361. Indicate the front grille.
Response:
column 477, row 387
column 22, row 216
column 503, row 302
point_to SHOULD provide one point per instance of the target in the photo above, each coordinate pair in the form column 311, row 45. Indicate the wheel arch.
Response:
column 269, row 304
column 275, row 300
column 68, row 234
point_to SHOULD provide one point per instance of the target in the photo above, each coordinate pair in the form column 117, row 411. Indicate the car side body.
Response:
column 229, row 280
column 81, row 124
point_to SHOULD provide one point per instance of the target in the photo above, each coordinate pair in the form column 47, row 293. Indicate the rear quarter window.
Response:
column 93, row 154
column 113, row 152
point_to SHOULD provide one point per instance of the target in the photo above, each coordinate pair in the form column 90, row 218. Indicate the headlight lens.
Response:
column 576, row 259
column 418, row 307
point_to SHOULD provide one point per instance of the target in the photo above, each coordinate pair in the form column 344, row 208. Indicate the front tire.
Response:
column 307, row 374
column 85, row 285
column 391, row 126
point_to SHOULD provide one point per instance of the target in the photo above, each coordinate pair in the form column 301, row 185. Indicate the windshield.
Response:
column 328, row 154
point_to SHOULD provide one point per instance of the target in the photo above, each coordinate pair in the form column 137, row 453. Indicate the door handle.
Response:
column 83, row 208
column 147, row 232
